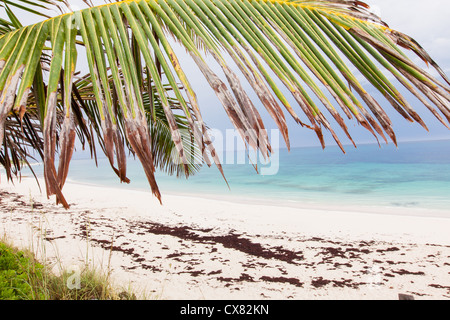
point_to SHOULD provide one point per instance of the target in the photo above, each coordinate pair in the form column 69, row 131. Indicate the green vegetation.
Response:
column 16, row 271
column 24, row 278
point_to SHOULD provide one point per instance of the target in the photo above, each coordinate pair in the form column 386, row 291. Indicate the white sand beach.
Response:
column 199, row 248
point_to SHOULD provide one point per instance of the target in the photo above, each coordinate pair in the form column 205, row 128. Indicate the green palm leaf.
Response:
column 303, row 43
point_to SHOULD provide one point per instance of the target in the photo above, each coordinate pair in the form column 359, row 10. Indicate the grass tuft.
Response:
column 22, row 277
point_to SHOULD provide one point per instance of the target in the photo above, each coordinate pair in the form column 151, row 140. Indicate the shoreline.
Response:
column 287, row 203
column 197, row 248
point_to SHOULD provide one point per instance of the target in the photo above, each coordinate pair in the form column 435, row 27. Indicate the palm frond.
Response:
column 162, row 146
column 23, row 144
column 304, row 43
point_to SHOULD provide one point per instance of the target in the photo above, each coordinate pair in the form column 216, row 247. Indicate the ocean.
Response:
column 414, row 175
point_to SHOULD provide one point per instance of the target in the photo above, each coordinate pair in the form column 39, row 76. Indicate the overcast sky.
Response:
column 425, row 21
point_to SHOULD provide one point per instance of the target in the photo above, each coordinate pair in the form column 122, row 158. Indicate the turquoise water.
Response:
column 416, row 174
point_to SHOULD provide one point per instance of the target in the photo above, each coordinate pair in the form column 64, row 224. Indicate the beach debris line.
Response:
column 231, row 241
column 233, row 259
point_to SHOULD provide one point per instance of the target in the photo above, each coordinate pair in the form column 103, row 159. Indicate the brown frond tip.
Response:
column 139, row 139
column 409, row 43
